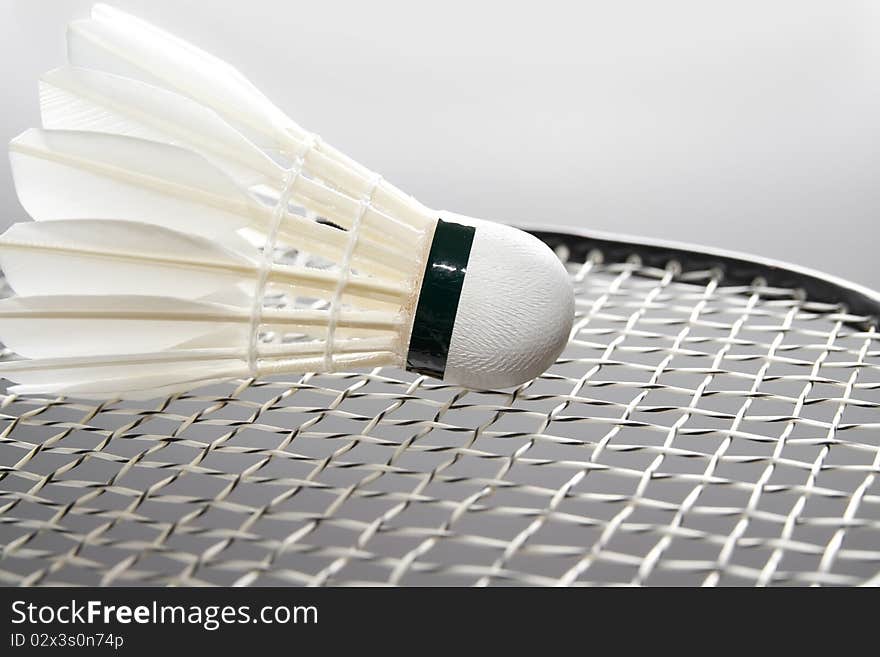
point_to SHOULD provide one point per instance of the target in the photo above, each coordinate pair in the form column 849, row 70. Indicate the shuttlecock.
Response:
column 189, row 232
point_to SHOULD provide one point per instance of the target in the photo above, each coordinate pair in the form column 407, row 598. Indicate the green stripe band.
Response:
column 438, row 298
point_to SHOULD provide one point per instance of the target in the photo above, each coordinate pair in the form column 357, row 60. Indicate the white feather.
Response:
column 66, row 174
column 150, row 374
column 62, row 174
column 84, row 100
column 110, row 257
column 121, row 257
column 80, row 99
column 121, row 44
column 123, row 376
column 40, row 327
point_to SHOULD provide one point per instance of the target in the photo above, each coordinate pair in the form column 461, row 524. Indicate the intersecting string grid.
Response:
column 693, row 432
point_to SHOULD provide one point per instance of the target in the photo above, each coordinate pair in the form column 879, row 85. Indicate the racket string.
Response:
column 693, row 432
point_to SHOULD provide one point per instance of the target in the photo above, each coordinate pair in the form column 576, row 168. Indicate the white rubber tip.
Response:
column 515, row 312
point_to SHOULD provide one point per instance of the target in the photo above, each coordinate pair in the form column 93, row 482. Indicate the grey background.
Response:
column 746, row 125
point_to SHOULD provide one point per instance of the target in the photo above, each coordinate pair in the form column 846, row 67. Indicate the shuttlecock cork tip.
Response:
column 495, row 309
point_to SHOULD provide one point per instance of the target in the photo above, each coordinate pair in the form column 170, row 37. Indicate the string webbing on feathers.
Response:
column 345, row 272
column 291, row 175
